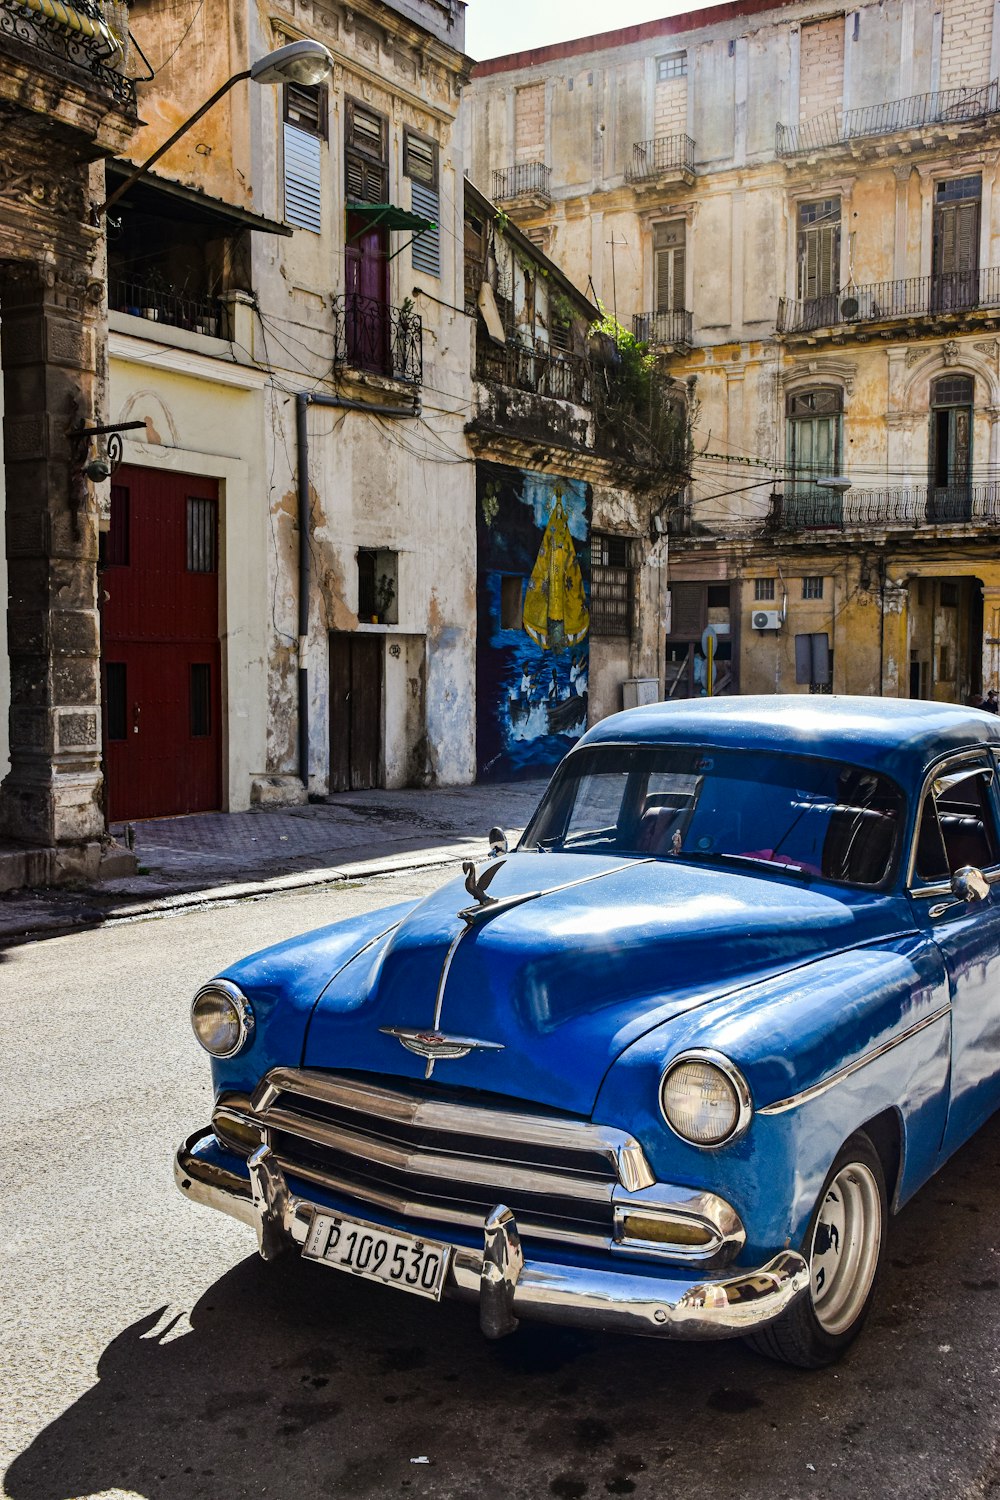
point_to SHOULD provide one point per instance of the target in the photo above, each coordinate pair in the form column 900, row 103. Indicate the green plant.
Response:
column 633, row 370
column 385, row 592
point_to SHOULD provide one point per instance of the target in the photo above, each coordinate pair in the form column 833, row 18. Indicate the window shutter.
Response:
column 967, row 237
column 425, row 252
column 302, row 178
column 686, row 611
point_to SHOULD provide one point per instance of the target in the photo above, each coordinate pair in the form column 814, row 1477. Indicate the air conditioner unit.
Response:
column 766, row 619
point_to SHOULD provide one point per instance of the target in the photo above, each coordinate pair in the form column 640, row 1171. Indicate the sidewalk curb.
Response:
column 163, row 906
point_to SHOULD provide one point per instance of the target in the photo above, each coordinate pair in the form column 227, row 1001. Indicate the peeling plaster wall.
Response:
column 404, row 486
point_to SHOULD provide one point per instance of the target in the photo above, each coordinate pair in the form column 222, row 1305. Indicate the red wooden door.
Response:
column 367, row 295
column 160, row 646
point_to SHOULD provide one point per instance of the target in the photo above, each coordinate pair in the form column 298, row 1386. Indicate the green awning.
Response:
column 388, row 216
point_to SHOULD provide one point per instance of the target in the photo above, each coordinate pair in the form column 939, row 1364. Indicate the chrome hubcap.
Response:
column 844, row 1253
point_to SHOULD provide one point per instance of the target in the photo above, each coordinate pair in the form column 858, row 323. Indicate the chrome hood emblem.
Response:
column 435, row 1045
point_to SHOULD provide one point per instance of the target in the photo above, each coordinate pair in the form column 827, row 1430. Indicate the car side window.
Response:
column 597, row 809
column 960, row 830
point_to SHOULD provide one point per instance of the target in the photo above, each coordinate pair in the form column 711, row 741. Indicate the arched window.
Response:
column 813, row 420
column 950, row 449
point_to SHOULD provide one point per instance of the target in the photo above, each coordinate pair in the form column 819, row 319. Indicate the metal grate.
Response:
column 370, row 335
column 832, row 128
column 883, row 301
column 612, row 585
column 201, row 550
column 663, row 328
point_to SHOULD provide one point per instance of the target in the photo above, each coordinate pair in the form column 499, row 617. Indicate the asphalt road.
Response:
column 145, row 1350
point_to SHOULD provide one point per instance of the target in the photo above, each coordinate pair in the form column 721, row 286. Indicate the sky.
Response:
column 494, row 27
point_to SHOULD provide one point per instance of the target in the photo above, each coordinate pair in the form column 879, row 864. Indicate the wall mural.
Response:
column 534, row 583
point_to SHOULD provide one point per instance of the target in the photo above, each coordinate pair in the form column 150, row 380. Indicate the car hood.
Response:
column 560, row 983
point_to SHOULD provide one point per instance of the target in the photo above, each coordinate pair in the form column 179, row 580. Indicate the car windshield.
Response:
column 798, row 815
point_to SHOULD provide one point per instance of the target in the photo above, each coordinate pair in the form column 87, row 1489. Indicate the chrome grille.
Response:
column 414, row 1151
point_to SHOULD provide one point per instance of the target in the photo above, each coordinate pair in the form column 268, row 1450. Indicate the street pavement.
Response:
column 223, row 856
column 146, row 1351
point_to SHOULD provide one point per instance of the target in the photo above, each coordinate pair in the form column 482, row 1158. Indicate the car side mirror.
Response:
column 498, row 843
column 970, row 884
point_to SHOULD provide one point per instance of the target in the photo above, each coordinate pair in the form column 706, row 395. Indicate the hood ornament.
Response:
column 476, row 884
column 435, row 1046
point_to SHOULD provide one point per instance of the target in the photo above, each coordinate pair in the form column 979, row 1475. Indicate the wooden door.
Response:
column 367, row 266
column 355, row 712
column 955, row 244
column 160, row 646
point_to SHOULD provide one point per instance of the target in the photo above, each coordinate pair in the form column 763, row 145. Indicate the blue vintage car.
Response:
column 668, row 1066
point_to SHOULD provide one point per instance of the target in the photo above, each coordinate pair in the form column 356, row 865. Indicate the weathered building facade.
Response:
column 798, row 210
column 301, row 350
column 64, row 104
column 569, row 579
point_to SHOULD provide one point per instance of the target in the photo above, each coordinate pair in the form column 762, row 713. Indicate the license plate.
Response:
column 378, row 1254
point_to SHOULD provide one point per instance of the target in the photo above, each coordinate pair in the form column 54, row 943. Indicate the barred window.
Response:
column 674, row 65
column 763, row 589
column 812, row 588
column 201, row 535
column 612, row 584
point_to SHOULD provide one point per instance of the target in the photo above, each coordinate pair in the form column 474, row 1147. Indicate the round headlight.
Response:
column 222, row 1018
column 705, row 1099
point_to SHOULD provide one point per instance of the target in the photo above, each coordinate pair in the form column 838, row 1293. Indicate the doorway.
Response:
column 160, row 656
column 355, row 711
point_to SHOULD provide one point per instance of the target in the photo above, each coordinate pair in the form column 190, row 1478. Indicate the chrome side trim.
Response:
column 622, row 1152
column 684, row 1206
column 805, row 1096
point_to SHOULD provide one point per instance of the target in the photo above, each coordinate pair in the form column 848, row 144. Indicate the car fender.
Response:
column 824, row 1048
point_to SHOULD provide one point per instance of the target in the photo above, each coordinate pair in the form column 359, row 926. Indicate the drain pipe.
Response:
column 303, row 401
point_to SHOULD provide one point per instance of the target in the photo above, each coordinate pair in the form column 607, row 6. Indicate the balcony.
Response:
column 562, row 377
column 910, row 508
column 159, row 302
column 936, row 116
column 76, row 35
column 664, row 331
column 529, row 184
column 370, row 335
column 661, row 162
column 931, row 302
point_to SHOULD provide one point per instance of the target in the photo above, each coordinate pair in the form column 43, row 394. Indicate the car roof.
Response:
column 894, row 735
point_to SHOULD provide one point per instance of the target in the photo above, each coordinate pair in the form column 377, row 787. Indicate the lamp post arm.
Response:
column 102, row 208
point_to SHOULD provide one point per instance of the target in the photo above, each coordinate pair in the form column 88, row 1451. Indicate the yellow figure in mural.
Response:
column 555, row 610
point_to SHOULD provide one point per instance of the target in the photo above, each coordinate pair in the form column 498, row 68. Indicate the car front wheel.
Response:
column 844, row 1245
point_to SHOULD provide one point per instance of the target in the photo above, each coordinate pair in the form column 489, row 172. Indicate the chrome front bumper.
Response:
column 505, row 1285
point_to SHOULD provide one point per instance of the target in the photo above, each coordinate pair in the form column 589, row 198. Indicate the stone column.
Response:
column 895, row 641
column 52, row 794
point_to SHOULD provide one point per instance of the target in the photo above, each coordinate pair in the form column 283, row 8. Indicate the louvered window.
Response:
column 668, row 253
column 305, row 107
column 365, row 155
column 818, row 250
column 420, row 164
column 302, row 178
column 955, row 252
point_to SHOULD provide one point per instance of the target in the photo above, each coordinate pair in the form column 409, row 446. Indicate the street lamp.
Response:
column 306, row 61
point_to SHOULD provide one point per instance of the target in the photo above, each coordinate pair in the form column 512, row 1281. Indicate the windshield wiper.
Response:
column 756, row 861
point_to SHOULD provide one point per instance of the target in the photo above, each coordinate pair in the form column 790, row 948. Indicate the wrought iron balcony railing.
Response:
column 908, row 508
column 665, row 154
column 882, row 301
column 76, row 34
column 663, row 328
column 836, row 128
column 528, row 178
column 160, row 303
column 564, row 377
column 370, row 335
